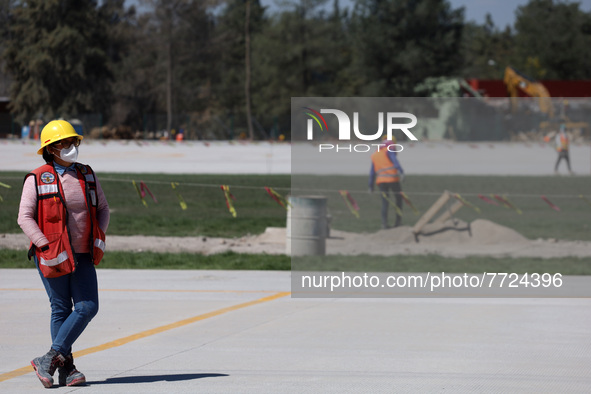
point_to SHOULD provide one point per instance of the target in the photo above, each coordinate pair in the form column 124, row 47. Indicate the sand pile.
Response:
column 479, row 231
column 271, row 236
column 451, row 238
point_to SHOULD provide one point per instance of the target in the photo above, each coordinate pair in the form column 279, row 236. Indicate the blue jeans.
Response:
column 78, row 289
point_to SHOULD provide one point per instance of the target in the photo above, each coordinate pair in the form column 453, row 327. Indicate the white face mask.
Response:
column 69, row 155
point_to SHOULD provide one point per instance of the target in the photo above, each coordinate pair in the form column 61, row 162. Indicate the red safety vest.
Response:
column 385, row 170
column 58, row 257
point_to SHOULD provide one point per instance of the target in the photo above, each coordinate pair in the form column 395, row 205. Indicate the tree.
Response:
column 6, row 8
column 166, row 17
column 552, row 40
column 303, row 51
column 195, row 58
column 238, row 26
column 399, row 43
column 486, row 50
column 123, row 36
column 57, row 56
column 167, row 66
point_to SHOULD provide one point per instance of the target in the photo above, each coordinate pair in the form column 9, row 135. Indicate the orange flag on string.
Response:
column 144, row 189
column 351, row 203
column 554, row 207
column 507, row 203
column 229, row 197
column 487, row 200
column 410, row 204
column 139, row 193
column 277, row 197
column 466, row 202
column 181, row 200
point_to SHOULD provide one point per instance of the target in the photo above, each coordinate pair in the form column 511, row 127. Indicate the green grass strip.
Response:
column 238, row 261
column 149, row 260
column 436, row 263
column 207, row 214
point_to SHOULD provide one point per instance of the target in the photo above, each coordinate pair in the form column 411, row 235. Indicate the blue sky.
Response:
column 502, row 11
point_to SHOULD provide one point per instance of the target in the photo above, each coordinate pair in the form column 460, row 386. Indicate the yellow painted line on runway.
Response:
column 153, row 331
column 167, row 327
column 16, row 373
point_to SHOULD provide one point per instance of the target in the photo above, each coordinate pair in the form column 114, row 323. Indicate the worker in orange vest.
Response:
column 387, row 173
column 562, row 144
column 65, row 214
column 180, row 135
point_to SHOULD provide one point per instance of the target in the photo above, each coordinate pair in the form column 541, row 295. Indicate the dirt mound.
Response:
column 438, row 238
column 479, row 231
column 272, row 235
column 486, row 232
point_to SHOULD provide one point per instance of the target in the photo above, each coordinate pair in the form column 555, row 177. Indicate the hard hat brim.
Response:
column 40, row 151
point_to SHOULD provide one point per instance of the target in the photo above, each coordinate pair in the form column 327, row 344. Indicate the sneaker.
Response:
column 69, row 375
column 45, row 366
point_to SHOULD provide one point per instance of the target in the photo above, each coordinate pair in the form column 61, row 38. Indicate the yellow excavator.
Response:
column 515, row 81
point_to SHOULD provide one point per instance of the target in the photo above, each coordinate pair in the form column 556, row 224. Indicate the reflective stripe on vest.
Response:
column 93, row 197
column 47, row 189
column 63, row 256
column 384, row 169
column 99, row 243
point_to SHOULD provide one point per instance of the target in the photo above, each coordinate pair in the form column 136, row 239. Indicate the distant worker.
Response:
column 180, row 135
column 387, row 173
column 37, row 129
column 32, row 130
column 25, row 131
column 562, row 145
column 64, row 213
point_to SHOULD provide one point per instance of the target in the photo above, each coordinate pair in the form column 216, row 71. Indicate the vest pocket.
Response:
column 52, row 209
column 55, row 261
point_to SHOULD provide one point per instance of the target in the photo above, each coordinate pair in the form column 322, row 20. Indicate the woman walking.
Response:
column 64, row 213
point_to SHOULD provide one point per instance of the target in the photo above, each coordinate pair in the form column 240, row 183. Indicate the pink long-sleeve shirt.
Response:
column 78, row 215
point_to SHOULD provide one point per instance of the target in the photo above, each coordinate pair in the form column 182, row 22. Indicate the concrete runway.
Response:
column 241, row 332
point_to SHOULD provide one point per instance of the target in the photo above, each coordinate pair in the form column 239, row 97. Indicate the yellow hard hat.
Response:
column 54, row 131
